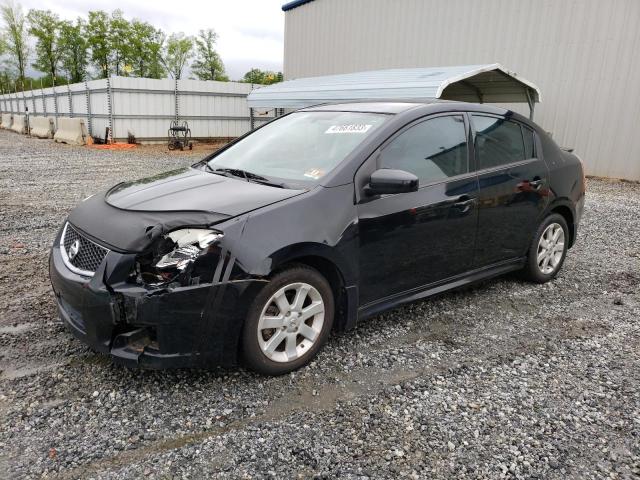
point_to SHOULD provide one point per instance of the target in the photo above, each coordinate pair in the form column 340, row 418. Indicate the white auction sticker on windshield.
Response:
column 314, row 173
column 352, row 128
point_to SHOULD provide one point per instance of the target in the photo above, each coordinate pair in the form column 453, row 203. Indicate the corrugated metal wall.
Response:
column 144, row 107
column 583, row 54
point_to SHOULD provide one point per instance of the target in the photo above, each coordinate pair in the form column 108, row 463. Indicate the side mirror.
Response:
column 388, row 181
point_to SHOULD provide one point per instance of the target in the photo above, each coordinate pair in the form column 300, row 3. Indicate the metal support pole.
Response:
column 87, row 94
column 252, row 119
column 26, row 112
column 55, row 104
column 175, row 94
column 33, row 100
column 531, row 103
column 70, row 101
column 110, row 111
column 44, row 100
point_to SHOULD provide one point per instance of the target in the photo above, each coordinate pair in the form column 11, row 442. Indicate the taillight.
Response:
column 584, row 176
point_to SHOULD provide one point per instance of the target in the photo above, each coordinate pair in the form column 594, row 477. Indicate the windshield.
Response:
column 302, row 146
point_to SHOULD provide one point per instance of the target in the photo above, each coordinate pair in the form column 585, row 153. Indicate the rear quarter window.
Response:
column 500, row 142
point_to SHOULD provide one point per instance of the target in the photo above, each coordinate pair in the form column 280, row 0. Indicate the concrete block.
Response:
column 19, row 124
column 42, row 127
column 6, row 120
column 71, row 130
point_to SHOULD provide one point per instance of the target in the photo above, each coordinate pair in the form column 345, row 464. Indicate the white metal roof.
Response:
column 471, row 83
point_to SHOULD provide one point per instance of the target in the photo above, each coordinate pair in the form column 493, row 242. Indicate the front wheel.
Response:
column 288, row 322
column 548, row 249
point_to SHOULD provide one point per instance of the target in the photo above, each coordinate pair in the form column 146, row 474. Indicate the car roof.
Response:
column 373, row 106
column 401, row 106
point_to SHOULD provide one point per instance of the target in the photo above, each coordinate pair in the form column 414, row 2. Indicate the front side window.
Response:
column 500, row 142
column 302, row 146
column 432, row 150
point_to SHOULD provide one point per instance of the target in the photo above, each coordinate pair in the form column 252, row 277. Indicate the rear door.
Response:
column 410, row 240
column 513, row 184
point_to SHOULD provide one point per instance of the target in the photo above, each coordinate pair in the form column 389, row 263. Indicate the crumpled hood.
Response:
column 189, row 189
column 129, row 216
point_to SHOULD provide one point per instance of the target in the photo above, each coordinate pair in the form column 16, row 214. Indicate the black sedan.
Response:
column 313, row 222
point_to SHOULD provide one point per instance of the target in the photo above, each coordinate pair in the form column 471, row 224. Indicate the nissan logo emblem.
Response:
column 74, row 249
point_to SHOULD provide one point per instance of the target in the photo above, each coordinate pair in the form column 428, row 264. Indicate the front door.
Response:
column 513, row 188
column 410, row 240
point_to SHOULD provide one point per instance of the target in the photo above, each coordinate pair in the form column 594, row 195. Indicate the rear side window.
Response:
column 432, row 150
column 500, row 142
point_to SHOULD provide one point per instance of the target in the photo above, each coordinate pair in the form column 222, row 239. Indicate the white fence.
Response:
column 144, row 107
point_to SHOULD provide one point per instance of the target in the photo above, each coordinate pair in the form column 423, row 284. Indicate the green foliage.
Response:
column 44, row 25
column 5, row 82
column 74, row 50
column 177, row 52
column 97, row 33
column 100, row 45
column 124, row 47
column 207, row 64
column 263, row 77
column 15, row 38
column 119, row 40
column 145, row 49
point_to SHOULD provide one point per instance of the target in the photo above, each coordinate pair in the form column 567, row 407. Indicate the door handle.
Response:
column 464, row 203
column 528, row 185
column 536, row 184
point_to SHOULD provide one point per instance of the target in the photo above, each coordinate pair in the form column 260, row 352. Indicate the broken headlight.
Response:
column 190, row 243
column 186, row 256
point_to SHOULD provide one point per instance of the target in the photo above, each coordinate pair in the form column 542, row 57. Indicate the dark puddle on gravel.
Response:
column 11, row 373
column 18, row 328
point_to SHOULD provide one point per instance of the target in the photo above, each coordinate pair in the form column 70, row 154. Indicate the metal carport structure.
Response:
column 491, row 83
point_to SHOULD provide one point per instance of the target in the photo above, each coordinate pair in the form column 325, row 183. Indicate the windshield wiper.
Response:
column 248, row 176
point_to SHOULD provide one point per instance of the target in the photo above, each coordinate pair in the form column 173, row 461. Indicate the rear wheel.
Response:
column 288, row 322
column 548, row 249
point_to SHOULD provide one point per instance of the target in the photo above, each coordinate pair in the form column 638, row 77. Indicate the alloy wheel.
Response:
column 550, row 248
column 291, row 322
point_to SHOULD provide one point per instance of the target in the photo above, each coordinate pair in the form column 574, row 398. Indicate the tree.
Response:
column 74, row 50
column 145, row 49
column 266, row 77
column 97, row 34
column 45, row 27
column 119, row 40
column 177, row 52
column 5, row 81
column 16, row 41
column 155, row 67
column 208, row 64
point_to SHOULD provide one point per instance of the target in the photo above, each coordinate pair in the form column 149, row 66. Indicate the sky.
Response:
column 251, row 32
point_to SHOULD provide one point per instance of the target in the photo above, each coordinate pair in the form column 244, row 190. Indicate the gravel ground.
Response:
column 502, row 380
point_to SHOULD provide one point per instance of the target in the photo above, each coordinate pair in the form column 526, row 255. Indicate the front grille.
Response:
column 89, row 255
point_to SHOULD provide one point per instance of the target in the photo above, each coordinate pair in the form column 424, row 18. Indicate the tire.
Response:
column 272, row 326
column 551, row 263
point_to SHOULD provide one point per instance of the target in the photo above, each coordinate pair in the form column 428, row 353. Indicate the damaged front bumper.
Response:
column 191, row 326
